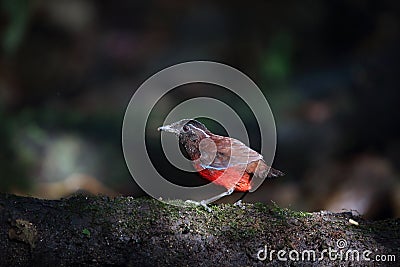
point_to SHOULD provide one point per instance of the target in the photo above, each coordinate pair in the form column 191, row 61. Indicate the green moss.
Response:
column 261, row 207
column 286, row 212
column 140, row 215
column 86, row 232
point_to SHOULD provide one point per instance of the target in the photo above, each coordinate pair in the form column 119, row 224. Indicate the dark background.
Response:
column 329, row 69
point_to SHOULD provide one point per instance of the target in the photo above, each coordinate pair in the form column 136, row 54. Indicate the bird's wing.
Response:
column 231, row 152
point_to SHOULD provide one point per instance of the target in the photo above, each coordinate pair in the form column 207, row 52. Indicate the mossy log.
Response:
column 126, row 231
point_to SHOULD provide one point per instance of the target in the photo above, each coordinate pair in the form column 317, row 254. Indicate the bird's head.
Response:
column 193, row 136
column 187, row 129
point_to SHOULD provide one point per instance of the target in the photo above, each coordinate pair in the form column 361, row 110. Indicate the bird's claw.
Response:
column 204, row 204
column 239, row 204
column 192, row 202
column 201, row 203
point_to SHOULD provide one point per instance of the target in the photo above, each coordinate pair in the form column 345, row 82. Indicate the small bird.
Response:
column 224, row 161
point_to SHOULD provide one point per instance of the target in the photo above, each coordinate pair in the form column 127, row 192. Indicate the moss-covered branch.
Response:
column 144, row 232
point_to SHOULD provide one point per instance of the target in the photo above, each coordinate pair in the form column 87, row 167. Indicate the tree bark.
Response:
column 97, row 230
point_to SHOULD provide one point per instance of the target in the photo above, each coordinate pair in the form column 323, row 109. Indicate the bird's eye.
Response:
column 185, row 128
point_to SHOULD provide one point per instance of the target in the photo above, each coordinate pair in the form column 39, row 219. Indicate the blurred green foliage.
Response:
column 17, row 12
column 13, row 171
column 277, row 60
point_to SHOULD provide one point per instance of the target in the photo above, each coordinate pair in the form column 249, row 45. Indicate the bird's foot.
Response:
column 201, row 203
column 239, row 204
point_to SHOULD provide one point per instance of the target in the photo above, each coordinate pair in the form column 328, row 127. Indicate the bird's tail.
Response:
column 264, row 171
column 274, row 173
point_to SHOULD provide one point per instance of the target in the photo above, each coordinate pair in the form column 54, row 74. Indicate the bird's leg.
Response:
column 239, row 202
column 205, row 202
column 212, row 199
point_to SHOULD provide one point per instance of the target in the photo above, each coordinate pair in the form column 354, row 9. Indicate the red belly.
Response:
column 232, row 178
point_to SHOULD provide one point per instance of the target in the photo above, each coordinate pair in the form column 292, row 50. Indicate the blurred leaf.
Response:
column 276, row 65
column 17, row 12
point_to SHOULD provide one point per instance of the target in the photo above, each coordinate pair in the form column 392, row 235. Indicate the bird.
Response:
column 222, row 160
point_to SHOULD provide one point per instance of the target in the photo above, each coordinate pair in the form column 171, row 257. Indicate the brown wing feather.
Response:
column 232, row 152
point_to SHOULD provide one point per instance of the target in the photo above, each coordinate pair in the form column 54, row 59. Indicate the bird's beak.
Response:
column 168, row 128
